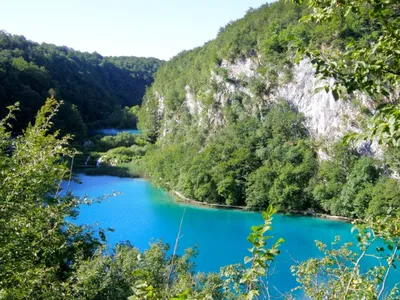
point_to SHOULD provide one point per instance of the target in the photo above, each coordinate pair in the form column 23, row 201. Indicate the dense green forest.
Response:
column 249, row 149
column 46, row 256
column 95, row 89
column 256, row 163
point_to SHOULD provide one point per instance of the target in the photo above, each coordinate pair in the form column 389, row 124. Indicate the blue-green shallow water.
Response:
column 143, row 213
column 113, row 131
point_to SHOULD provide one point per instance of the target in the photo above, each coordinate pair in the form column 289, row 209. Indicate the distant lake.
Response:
column 113, row 131
column 142, row 213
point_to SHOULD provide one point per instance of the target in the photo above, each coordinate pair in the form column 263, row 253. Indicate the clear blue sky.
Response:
column 158, row 28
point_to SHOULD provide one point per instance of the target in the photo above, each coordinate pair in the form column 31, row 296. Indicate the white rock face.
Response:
column 194, row 106
column 240, row 68
column 160, row 103
column 325, row 117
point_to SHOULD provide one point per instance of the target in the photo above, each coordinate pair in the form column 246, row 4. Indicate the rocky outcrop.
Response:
column 326, row 119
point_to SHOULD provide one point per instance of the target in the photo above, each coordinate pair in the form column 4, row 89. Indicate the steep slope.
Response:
column 97, row 85
column 251, row 58
column 240, row 122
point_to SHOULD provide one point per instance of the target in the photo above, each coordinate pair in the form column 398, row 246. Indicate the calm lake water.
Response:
column 142, row 213
column 113, row 131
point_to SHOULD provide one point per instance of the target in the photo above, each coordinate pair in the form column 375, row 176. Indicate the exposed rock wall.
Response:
column 326, row 119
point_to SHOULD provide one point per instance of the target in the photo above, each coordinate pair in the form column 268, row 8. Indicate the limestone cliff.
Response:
column 325, row 118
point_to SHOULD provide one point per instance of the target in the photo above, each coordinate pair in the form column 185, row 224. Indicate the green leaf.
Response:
column 247, row 259
column 335, row 94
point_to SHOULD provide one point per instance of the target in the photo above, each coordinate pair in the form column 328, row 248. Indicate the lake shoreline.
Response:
column 181, row 198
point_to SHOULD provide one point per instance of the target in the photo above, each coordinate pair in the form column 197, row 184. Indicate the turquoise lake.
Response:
column 113, row 131
column 142, row 213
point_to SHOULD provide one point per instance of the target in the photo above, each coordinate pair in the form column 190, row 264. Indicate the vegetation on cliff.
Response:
column 224, row 138
column 255, row 157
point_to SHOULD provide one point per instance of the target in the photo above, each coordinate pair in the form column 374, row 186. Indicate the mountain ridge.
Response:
column 98, row 86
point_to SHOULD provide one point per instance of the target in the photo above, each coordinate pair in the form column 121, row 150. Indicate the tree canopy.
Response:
column 94, row 88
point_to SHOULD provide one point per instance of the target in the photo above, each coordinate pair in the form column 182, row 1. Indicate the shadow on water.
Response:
column 113, row 131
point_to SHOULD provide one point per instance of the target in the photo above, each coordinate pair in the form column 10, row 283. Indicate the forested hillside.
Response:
column 239, row 122
column 252, row 56
column 95, row 88
column 236, row 121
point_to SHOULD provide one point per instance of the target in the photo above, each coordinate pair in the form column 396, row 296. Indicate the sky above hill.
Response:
column 158, row 28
